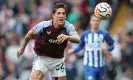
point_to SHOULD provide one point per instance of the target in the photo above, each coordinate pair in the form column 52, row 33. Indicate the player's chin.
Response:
column 61, row 23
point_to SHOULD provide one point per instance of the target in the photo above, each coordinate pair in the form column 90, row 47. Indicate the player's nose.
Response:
column 61, row 15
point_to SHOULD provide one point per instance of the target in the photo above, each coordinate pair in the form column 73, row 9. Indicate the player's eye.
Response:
column 98, row 20
column 58, row 13
column 63, row 13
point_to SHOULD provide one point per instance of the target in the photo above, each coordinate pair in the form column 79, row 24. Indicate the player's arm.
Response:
column 110, row 43
column 74, row 38
column 79, row 47
column 36, row 30
column 27, row 38
column 72, row 35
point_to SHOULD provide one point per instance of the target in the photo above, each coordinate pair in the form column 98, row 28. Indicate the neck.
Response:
column 56, row 25
column 94, row 29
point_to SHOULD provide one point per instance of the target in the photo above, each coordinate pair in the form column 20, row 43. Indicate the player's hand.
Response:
column 106, row 52
column 108, row 55
column 70, row 51
column 61, row 38
column 20, row 52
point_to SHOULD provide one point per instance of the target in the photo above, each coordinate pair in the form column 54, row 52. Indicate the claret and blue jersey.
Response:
column 46, row 38
column 94, row 60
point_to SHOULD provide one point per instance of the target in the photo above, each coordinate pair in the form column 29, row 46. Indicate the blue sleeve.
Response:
column 70, row 28
column 109, row 41
column 110, row 48
column 39, row 28
column 81, row 44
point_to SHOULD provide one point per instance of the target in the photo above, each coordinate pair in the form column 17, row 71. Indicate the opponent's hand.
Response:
column 70, row 51
column 106, row 52
column 108, row 55
column 20, row 52
column 61, row 38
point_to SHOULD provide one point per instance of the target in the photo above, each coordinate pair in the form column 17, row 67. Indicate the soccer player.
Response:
column 93, row 39
column 50, row 41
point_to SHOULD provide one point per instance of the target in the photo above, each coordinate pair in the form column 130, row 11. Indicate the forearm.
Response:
column 27, row 38
column 111, row 47
column 74, row 38
column 107, row 51
column 77, row 49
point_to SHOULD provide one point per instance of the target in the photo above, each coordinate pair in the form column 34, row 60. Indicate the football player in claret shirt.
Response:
column 50, row 41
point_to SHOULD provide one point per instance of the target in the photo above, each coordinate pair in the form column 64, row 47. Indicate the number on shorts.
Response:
column 60, row 66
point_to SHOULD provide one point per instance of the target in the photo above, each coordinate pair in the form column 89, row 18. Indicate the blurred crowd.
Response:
column 19, row 16
column 122, row 56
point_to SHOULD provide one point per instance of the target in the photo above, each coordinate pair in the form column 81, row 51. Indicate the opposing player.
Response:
column 50, row 41
column 93, row 40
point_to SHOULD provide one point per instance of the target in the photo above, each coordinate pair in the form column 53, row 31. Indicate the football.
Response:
column 103, row 10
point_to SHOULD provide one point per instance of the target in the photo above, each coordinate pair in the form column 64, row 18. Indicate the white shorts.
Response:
column 54, row 65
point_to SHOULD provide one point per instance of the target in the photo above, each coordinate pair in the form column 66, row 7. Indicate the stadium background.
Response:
column 18, row 16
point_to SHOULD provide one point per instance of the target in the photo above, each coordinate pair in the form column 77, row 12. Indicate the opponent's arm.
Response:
column 27, row 38
column 110, row 43
column 79, row 47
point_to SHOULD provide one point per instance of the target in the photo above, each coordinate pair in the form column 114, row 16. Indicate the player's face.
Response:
column 59, row 16
column 94, row 22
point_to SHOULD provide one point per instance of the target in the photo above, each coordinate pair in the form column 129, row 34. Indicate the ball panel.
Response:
column 103, row 10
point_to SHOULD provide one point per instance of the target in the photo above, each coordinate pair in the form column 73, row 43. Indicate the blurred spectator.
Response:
column 33, row 17
column 11, row 74
column 130, row 3
column 26, row 62
column 129, row 24
column 12, row 50
column 74, row 15
column 108, row 1
column 128, row 75
column 44, row 10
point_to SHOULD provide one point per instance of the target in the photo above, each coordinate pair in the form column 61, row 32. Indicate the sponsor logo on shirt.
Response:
column 52, row 41
column 49, row 32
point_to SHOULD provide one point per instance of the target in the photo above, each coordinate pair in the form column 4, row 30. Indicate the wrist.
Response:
column 22, row 47
column 68, row 37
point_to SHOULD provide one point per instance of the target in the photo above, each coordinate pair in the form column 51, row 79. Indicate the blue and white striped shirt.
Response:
column 93, row 42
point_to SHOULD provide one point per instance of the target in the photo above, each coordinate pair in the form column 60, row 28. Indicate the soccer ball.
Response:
column 103, row 10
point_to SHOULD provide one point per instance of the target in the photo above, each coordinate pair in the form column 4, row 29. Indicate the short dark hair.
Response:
column 59, row 5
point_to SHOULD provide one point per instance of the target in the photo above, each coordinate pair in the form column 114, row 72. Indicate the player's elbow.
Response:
column 77, row 40
column 111, row 48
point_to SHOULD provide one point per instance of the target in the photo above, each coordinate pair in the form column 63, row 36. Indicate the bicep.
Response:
column 109, row 39
column 82, row 41
column 31, row 33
